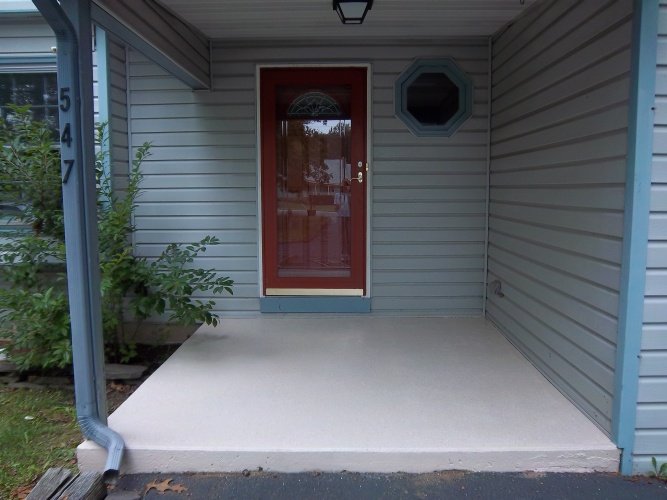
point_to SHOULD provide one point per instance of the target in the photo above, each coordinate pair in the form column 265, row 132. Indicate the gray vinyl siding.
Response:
column 651, row 433
column 118, row 112
column 427, row 199
column 558, row 151
column 25, row 37
column 165, row 32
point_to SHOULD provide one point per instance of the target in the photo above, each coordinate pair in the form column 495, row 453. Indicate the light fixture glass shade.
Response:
column 352, row 11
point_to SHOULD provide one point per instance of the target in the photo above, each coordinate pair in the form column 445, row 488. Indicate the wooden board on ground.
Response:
column 58, row 484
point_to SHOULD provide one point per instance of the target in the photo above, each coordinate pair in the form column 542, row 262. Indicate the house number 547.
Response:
column 66, row 136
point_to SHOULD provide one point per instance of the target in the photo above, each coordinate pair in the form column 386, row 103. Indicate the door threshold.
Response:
column 315, row 292
column 320, row 304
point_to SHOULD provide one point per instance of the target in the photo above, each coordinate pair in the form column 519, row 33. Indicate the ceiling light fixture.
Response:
column 352, row 11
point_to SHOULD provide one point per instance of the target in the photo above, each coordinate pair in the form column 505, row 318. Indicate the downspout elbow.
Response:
column 95, row 430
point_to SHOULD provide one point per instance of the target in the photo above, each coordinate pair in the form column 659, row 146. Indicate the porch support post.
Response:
column 70, row 20
column 636, row 220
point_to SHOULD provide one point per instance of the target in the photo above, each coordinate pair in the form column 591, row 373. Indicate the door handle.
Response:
column 359, row 178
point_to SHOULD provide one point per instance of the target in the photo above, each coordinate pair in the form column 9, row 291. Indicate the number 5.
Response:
column 66, row 102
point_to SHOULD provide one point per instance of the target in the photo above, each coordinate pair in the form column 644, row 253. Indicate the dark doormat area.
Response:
column 347, row 485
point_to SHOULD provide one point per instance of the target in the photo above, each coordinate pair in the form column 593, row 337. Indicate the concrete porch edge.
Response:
column 358, row 393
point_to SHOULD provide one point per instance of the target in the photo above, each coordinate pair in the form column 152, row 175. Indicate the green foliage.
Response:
column 34, row 307
column 38, row 325
column 658, row 472
column 176, row 281
column 30, row 168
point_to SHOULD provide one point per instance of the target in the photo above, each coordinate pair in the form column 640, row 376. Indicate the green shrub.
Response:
column 34, row 307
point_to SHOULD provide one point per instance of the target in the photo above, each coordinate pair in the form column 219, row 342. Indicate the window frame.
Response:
column 35, row 64
column 455, row 74
column 30, row 65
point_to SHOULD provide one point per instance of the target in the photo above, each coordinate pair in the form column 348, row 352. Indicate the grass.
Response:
column 29, row 446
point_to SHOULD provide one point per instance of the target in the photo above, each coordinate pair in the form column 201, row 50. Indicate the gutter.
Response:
column 70, row 20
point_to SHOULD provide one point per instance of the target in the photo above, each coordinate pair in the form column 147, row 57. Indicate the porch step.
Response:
column 366, row 394
column 91, row 457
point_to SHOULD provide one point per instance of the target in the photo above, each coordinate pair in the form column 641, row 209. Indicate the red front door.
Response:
column 313, row 129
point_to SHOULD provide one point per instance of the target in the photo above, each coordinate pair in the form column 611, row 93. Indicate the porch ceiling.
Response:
column 289, row 19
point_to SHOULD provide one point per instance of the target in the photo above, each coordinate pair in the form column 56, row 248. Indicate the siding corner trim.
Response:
column 636, row 217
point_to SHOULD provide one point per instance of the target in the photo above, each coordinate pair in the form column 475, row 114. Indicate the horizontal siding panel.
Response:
column 165, row 139
column 654, row 337
column 576, row 28
column 651, row 416
column 642, row 463
column 451, row 304
column 186, row 153
column 659, row 198
column 190, row 180
column 195, row 222
column 428, row 290
column 189, row 236
column 435, row 222
column 172, row 167
column 657, row 228
column 559, row 331
column 433, row 250
column 219, row 125
column 558, row 159
column 604, row 325
column 593, row 123
column 656, row 282
column 659, row 170
column 604, row 146
column 429, row 167
column 576, row 385
column 187, row 97
column 601, row 273
column 605, row 249
column 429, row 276
column 393, row 124
column 526, row 28
column 657, row 254
column 197, row 208
column 650, row 442
column 213, row 252
column 652, row 363
column 609, row 170
column 408, row 180
column 655, row 309
column 427, row 236
column 423, row 193
column 652, row 390
column 613, row 68
column 161, row 112
column 455, row 262
column 551, row 113
column 603, row 223
column 428, row 208
column 579, row 197
column 540, row 76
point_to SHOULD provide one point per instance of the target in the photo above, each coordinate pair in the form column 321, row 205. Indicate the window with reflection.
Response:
column 313, row 187
column 39, row 92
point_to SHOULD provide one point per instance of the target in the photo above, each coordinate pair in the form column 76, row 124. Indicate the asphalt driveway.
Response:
column 345, row 485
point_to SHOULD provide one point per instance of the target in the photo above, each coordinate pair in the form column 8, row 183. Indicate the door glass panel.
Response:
column 312, row 178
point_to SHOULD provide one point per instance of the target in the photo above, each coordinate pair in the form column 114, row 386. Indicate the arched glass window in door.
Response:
column 314, row 104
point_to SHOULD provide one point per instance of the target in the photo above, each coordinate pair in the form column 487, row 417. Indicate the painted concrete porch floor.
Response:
column 358, row 393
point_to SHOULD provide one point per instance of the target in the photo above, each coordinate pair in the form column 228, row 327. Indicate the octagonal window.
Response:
column 433, row 97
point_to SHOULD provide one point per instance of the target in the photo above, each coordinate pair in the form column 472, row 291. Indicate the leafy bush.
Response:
column 34, row 307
